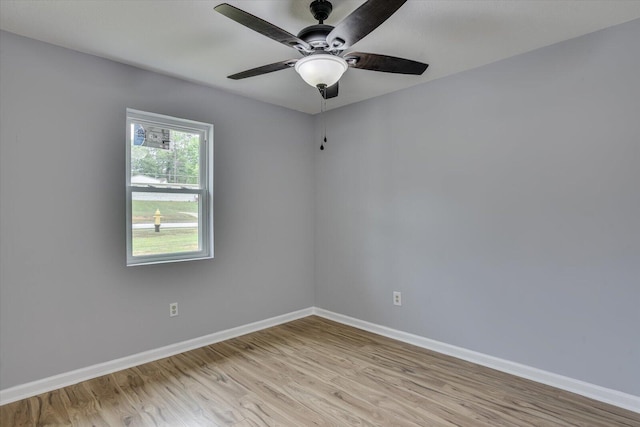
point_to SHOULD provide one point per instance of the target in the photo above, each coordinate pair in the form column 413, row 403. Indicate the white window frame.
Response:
column 204, row 192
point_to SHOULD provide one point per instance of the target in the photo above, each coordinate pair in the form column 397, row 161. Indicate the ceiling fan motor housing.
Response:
column 321, row 9
column 316, row 35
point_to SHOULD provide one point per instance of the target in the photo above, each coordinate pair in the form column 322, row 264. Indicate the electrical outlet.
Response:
column 173, row 309
column 397, row 298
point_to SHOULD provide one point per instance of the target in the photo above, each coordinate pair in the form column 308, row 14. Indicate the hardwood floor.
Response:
column 311, row 372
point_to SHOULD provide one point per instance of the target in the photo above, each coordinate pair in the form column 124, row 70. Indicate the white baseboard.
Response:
column 613, row 397
column 68, row 378
column 602, row 394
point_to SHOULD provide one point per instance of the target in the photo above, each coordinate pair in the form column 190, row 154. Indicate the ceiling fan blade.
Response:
column 277, row 66
column 329, row 92
column 384, row 63
column 263, row 27
column 361, row 22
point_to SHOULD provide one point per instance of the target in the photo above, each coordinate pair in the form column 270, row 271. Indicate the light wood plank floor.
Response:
column 311, row 372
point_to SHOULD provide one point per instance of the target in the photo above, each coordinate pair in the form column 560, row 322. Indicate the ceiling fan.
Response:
column 323, row 46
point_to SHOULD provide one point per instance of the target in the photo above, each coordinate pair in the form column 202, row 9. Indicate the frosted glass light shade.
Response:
column 321, row 69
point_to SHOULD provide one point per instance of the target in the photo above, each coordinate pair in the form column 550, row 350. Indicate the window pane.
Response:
column 164, row 157
column 164, row 223
column 169, row 184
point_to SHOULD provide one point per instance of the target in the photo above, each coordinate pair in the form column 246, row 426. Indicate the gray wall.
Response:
column 503, row 202
column 67, row 299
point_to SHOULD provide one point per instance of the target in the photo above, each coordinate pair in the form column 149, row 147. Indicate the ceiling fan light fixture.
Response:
column 321, row 69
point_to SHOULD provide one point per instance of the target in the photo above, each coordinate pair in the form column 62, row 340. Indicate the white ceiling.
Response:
column 188, row 39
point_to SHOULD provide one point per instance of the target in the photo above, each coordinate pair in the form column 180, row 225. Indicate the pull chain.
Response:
column 323, row 107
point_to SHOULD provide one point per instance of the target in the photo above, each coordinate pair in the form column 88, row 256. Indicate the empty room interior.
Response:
column 451, row 238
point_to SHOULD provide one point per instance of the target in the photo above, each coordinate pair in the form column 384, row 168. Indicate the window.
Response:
column 169, row 166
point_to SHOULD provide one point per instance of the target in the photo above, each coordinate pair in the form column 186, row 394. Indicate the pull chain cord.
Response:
column 323, row 107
